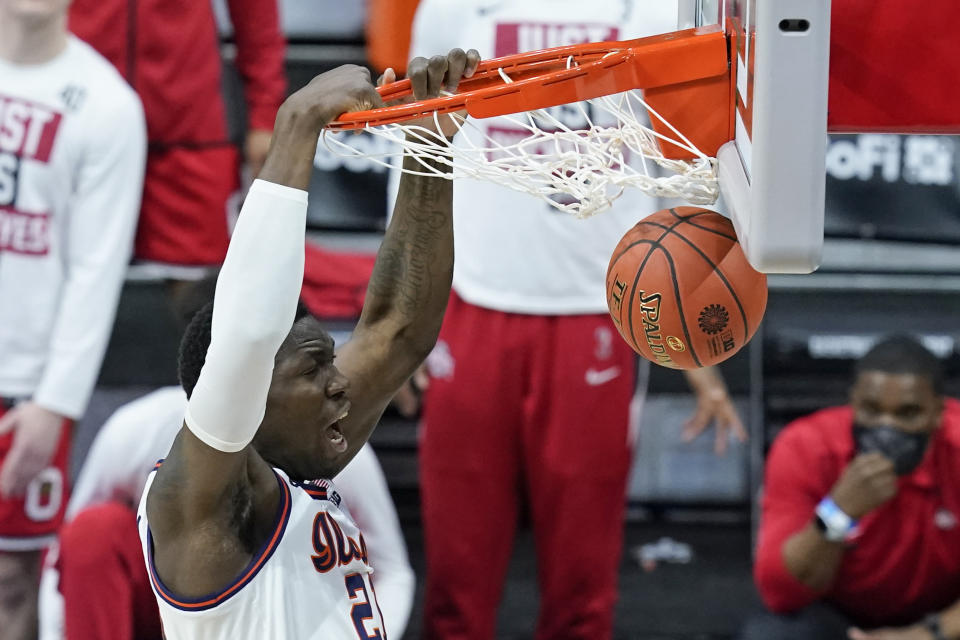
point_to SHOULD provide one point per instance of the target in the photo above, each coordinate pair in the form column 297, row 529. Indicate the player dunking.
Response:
column 239, row 543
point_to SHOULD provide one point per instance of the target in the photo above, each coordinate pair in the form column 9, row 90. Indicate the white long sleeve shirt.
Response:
column 72, row 154
column 514, row 252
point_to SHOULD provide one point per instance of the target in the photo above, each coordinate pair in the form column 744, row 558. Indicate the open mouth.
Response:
column 337, row 439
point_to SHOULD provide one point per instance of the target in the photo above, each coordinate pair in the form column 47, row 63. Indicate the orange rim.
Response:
column 545, row 78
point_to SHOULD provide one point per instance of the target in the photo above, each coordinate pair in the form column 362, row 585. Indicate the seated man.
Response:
column 860, row 522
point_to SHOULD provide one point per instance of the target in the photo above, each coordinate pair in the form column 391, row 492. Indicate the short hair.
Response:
column 903, row 354
column 196, row 341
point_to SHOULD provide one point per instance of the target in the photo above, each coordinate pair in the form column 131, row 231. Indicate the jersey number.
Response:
column 362, row 610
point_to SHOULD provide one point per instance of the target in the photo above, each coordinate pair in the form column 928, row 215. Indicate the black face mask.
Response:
column 904, row 449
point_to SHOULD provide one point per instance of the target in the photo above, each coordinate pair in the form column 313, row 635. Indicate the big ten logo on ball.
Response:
column 922, row 160
column 713, row 321
column 27, row 134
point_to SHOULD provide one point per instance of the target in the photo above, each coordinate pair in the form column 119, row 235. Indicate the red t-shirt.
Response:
column 906, row 561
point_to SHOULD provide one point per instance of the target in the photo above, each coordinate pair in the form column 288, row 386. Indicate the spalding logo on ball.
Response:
column 681, row 291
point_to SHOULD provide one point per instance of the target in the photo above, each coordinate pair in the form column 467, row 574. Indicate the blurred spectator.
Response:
column 168, row 51
column 72, row 147
column 860, row 510
column 530, row 386
column 95, row 586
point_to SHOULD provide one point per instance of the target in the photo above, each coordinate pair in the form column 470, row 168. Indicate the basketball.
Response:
column 681, row 291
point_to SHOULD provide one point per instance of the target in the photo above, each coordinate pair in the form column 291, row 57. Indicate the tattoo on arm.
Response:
column 415, row 261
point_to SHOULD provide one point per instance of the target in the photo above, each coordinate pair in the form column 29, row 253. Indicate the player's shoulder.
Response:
column 104, row 88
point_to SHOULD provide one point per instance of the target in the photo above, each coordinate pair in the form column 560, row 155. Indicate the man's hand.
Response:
column 255, row 149
column 36, row 434
column 867, row 482
column 713, row 406
column 431, row 77
column 409, row 397
column 916, row 632
column 341, row 90
column 304, row 114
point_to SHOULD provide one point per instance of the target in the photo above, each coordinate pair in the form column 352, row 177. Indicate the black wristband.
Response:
column 932, row 623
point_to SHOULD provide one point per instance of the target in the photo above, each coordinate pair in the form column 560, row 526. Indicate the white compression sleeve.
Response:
column 253, row 311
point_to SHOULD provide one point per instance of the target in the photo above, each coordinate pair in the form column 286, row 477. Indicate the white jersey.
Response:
column 310, row 581
column 72, row 153
column 514, row 252
column 141, row 432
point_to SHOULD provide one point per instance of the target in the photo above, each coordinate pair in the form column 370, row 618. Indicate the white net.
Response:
column 580, row 171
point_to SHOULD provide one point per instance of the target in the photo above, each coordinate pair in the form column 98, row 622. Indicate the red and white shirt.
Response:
column 514, row 252
column 72, row 153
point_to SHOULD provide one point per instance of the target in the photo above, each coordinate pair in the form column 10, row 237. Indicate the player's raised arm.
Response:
column 208, row 468
column 410, row 285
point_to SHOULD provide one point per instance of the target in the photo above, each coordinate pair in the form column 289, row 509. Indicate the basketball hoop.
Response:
column 752, row 90
column 580, row 171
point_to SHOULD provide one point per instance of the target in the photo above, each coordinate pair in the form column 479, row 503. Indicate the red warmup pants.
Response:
column 103, row 578
column 529, row 410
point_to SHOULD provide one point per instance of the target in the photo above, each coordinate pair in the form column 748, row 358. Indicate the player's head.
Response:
column 308, row 395
column 897, row 400
column 34, row 11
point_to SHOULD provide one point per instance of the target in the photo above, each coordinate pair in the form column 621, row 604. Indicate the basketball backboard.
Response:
column 772, row 175
column 753, row 86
